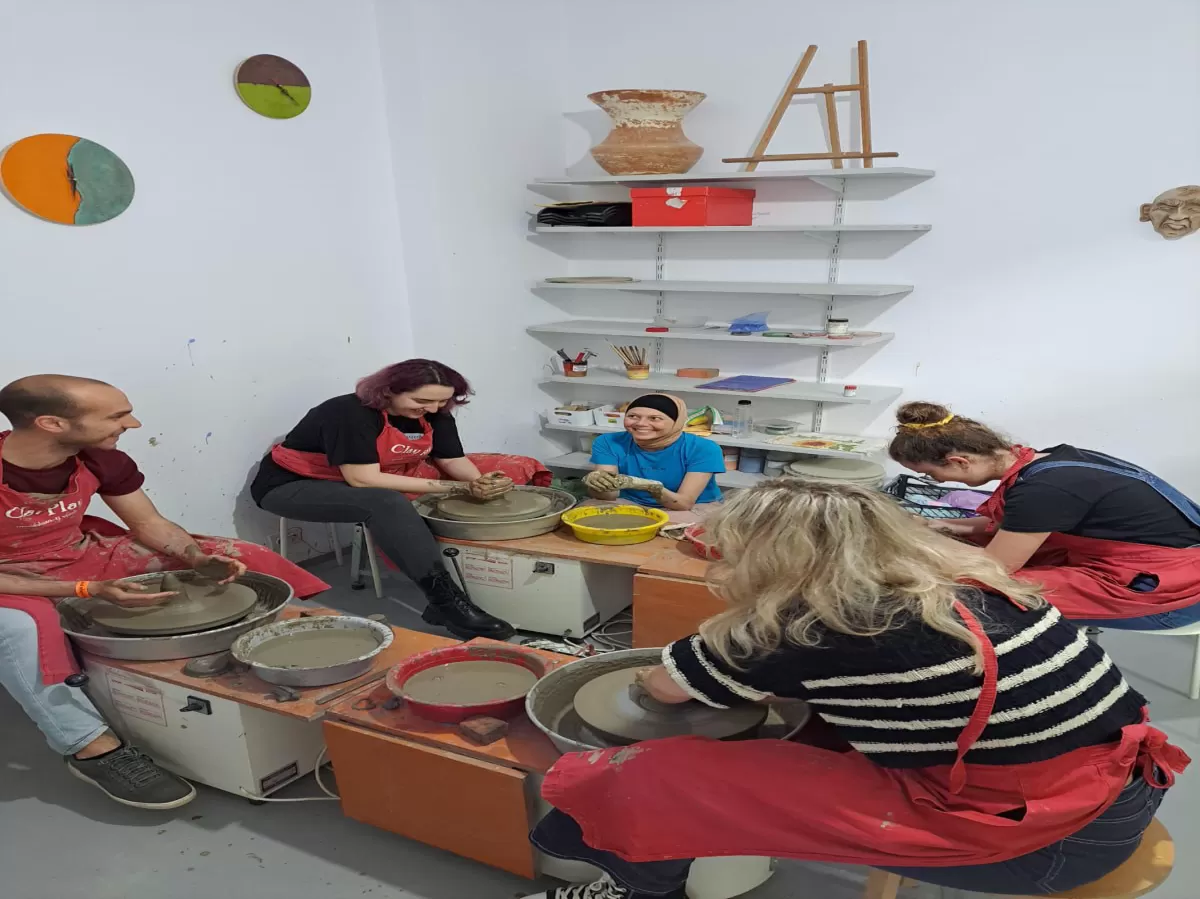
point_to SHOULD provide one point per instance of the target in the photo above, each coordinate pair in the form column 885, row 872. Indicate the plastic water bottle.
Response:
column 745, row 419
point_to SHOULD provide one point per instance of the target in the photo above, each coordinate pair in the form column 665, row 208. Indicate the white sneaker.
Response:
column 604, row 888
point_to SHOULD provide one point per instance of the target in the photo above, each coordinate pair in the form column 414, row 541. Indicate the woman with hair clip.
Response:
column 991, row 745
column 1109, row 542
column 361, row 456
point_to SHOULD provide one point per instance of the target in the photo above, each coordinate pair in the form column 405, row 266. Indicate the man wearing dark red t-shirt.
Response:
column 61, row 453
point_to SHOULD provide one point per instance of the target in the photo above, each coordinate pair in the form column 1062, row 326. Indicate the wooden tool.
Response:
column 793, row 89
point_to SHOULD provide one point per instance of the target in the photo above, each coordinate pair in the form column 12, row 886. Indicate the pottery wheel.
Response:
column 201, row 604
column 606, row 705
column 515, row 505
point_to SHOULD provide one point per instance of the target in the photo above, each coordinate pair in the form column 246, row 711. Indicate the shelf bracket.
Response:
column 660, row 302
column 831, row 182
column 835, row 258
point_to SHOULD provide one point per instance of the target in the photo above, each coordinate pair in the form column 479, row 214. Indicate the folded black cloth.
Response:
column 588, row 215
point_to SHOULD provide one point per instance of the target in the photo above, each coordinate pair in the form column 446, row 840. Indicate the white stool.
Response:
column 1188, row 630
column 362, row 537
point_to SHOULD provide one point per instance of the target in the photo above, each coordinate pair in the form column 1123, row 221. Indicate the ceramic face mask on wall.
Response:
column 1175, row 213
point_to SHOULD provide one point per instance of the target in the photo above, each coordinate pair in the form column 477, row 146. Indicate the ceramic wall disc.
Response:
column 273, row 86
column 66, row 179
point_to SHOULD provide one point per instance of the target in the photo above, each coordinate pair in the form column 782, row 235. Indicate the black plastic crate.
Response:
column 905, row 486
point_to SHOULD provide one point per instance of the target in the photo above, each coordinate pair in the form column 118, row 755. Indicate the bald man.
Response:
column 60, row 453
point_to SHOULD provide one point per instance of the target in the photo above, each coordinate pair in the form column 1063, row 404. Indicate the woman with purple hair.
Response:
column 360, row 457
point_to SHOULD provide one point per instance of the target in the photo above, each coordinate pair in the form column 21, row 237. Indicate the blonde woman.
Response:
column 992, row 747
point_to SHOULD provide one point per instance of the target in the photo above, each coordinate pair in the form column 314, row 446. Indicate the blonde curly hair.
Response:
column 798, row 557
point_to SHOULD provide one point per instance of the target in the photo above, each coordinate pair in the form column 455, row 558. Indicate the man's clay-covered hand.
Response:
column 490, row 486
column 603, row 481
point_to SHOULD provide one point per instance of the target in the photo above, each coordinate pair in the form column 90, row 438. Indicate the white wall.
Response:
column 259, row 269
column 1042, row 305
column 474, row 105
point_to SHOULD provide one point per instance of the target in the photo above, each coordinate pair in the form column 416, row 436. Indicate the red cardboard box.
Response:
column 691, row 206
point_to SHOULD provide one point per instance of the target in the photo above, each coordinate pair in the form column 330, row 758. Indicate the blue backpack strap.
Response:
column 1182, row 503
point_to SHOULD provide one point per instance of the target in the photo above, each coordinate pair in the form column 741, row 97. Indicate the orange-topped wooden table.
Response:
column 668, row 592
column 671, row 597
column 423, row 780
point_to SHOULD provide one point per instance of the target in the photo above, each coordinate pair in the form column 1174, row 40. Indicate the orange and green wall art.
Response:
column 66, row 179
column 273, row 86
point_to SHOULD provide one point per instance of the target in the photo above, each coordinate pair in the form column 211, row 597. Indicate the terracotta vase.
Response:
column 647, row 137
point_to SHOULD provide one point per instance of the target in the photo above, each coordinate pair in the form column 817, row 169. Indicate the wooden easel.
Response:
column 835, row 141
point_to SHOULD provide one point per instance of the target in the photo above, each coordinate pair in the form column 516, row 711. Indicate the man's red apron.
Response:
column 690, row 797
column 1088, row 578
column 50, row 536
column 402, row 455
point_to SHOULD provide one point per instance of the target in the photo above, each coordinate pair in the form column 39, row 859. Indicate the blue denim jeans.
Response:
column 64, row 714
column 1162, row 621
column 1086, row 855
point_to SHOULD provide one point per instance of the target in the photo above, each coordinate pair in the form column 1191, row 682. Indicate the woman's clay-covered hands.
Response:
column 127, row 594
column 603, row 481
column 490, row 486
column 610, row 482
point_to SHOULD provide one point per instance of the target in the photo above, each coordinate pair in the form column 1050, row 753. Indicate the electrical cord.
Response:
column 329, row 794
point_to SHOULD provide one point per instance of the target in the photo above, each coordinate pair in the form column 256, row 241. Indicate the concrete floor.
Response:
column 51, row 846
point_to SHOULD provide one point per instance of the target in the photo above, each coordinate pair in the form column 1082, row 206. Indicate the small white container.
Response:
column 773, row 469
column 580, row 418
column 837, row 327
column 586, row 441
column 608, row 417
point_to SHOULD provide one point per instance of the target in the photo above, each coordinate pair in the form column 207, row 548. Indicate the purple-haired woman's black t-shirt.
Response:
column 346, row 431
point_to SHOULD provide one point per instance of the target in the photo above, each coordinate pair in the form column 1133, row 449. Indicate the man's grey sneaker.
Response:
column 128, row 776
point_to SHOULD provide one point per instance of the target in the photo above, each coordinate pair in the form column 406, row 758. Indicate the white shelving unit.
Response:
column 870, row 449
column 803, row 391
column 736, row 229
column 720, row 332
column 837, row 177
column 773, row 288
column 579, row 462
column 818, row 392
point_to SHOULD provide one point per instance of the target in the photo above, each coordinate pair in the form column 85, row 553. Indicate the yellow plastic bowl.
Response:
column 593, row 532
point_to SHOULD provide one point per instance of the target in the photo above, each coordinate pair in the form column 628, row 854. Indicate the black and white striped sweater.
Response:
column 903, row 697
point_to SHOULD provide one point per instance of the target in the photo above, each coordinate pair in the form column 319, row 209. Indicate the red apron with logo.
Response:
column 690, row 797
column 1089, row 578
column 407, row 456
column 50, row 537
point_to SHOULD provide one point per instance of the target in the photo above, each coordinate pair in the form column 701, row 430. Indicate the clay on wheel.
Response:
column 606, row 705
column 201, row 604
column 512, row 506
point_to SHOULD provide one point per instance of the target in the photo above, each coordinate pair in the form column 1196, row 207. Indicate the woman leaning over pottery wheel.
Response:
column 654, row 448
column 361, row 456
column 988, row 744
column 1110, row 543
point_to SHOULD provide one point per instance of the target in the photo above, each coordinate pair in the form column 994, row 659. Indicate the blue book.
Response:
column 747, row 383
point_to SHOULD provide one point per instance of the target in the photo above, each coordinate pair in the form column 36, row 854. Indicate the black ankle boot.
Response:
column 450, row 608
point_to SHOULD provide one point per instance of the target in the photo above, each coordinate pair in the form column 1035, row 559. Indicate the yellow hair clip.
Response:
column 930, row 424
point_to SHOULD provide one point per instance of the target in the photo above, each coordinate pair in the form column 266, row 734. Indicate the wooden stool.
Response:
column 1146, row 869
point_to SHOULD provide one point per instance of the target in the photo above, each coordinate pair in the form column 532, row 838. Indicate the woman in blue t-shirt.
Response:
column 655, row 448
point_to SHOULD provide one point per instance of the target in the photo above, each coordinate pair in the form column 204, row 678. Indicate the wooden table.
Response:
column 670, row 597
column 423, row 780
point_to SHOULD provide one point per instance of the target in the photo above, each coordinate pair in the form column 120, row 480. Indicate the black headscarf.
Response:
column 659, row 402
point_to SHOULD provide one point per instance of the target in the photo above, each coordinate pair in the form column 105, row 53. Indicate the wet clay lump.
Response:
column 314, row 648
column 469, row 683
column 512, row 506
column 200, row 603
column 608, row 706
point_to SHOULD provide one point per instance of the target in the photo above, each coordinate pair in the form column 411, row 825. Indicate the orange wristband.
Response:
column 81, row 589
